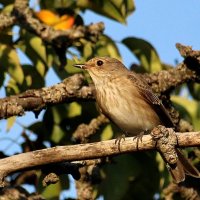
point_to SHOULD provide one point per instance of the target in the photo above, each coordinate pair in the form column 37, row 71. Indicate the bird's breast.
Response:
column 126, row 107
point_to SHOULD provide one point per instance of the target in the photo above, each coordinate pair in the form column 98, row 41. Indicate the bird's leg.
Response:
column 139, row 137
column 118, row 140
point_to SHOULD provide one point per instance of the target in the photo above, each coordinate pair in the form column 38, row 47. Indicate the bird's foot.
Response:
column 139, row 137
column 118, row 140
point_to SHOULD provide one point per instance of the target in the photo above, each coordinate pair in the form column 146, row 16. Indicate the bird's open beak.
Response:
column 82, row 66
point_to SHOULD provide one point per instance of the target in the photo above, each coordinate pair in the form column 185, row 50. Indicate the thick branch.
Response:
column 57, row 154
column 35, row 100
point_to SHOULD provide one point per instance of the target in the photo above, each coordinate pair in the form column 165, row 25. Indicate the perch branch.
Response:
column 95, row 150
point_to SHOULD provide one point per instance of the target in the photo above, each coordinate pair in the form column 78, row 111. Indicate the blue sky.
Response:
column 162, row 23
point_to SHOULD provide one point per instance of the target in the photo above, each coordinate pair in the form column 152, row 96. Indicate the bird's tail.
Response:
column 182, row 167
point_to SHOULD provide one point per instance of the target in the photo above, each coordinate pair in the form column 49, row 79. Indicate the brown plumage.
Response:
column 129, row 102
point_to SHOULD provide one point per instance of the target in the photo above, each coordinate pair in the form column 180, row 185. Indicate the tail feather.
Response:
column 187, row 165
column 177, row 172
column 182, row 167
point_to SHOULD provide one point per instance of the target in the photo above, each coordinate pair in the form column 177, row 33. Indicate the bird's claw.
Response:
column 118, row 140
column 139, row 137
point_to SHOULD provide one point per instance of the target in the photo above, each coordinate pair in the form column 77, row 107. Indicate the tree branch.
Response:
column 85, row 186
column 188, row 70
column 95, row 150
column 73, row 88
column 59, row 38
column 84, row 131
column 186, row 192
column 6, row 20
column 24, row 17
column 35, row 100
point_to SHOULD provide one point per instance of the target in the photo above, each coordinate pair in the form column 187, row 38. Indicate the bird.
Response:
column 129, row 102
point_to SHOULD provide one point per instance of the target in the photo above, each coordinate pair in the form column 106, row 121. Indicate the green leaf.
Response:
column 52, row 192
column 126, row 6
column 53, row 4
column 57, row 134
column 12, row 88
column 144, row 52
column 107, row 133
column 194, row 90
column 87, row 50
column 74, row 109
column 128, row 176
column 67, row 70
column 117, row 10
column 33, row 78
column 10, row 62
column 116, row 177
column 10, row 123
column 58, row 118
column 34, row 48
column 8, row 8
column 38, row 46
column 189, row 109
column 106, row 47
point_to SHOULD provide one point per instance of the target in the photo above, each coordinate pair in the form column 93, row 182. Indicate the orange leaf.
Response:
column 48, row 17
column 52, row 19
column 67, row 23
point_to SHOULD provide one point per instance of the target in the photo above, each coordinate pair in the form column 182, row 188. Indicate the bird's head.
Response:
column 100, row 67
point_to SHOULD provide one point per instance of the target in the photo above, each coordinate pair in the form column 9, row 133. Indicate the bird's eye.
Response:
column 99, row 62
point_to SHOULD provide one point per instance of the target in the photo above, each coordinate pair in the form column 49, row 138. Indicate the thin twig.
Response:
column 84, row 131
column 6, row 21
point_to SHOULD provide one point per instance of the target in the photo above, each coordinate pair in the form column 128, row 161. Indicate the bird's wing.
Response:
column 152, row 99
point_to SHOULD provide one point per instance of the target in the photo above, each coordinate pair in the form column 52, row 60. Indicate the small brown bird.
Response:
column 128, row 101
